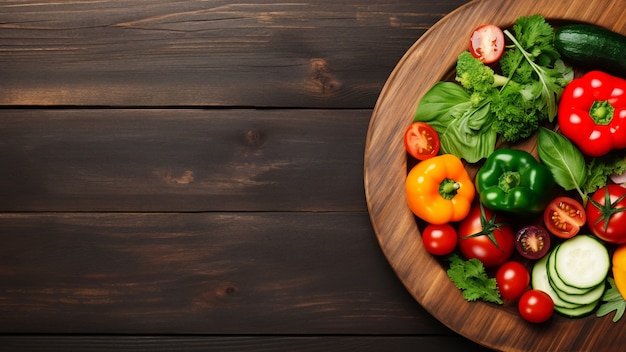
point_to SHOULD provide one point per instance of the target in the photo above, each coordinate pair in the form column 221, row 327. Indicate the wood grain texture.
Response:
column 208, row 53
column 149, row 200
column 238, row 343
column 182, row 160
column 200, row 273
column 385, row 173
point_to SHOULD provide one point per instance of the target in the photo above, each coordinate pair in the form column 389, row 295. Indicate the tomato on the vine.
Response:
column 421, row 140
column 606, row 213
column 535, row 306
column 487, row 43
column 439, row 239
column 512, row 278
column 564, row 217
column 483, row 236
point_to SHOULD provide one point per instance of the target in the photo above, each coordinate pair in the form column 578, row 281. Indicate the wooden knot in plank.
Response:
column 254, row 138
column 322, row 78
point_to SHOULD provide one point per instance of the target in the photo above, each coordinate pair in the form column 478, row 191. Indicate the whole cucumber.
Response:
column 592, row 47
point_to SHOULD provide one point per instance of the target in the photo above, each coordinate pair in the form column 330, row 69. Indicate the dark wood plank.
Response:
column 182, row 160
column 163, row 53
column 200, row 273
column 442, row 343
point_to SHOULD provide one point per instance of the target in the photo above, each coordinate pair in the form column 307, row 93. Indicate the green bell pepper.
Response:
column 514, row 181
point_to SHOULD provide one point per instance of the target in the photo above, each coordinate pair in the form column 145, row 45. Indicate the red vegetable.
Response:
column 532, row 241
column 487, row 43
column 606, row 213
column 564, row 217
column 483, row 236
column 439, row 239
column 535, row 306
column 421, row 140
column 512, row 279
column 592, row 113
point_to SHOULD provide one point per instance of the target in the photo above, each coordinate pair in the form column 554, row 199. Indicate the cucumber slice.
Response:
column 592, row 296
column 577, row 312
column 540, row 281
column 582, row 261
column 555, row 279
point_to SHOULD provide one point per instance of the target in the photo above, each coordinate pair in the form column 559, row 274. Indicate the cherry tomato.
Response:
column 439, row 239
column 606, row 214
column 532, row 241
column 476, row 241
column 421, row 141
column 535, row 306
column 564, row 217
column 487, row 43
column 513, row 279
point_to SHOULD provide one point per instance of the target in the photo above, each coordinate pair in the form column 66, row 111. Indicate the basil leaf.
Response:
column 464, row 130
column 468, row 140
column 441, row 104
column 564, row 160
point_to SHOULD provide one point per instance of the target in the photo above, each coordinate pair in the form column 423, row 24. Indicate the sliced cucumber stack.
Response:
column 574, row 275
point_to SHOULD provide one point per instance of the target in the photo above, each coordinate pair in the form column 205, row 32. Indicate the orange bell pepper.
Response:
column 439, row 190
column 619, row 269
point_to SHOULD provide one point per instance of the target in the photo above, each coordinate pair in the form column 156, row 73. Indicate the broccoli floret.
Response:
column 472, row 74
column 477, row 78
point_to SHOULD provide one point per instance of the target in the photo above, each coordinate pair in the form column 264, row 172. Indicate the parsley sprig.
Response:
column 470, row 277
column 613, row 302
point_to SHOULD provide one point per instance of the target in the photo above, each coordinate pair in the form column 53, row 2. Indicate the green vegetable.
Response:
column 464, row 129
column 539, row 61
column 477, row 78
column 575, row 289
column 539, row 75
column 600, row 169
column 564, row 160
column 514, row 181
column 613, row 302
column 470, row 277
column 592, row 47
column 469, row 116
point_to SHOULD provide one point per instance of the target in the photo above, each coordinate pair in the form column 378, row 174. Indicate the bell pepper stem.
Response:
column 509, row 180
column 448, row 188
column 601, row 112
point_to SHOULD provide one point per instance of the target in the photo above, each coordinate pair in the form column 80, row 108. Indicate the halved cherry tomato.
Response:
column 421, row 141
column 512, row 278
column 439, row 239
column 535, row 306
column 564, row 217
column 532, row 241
column 487, row 43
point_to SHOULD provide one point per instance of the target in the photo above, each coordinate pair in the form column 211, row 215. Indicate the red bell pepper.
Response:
column 592, row 113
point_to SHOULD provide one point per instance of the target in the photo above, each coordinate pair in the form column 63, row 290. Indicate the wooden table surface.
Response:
column 188, row 175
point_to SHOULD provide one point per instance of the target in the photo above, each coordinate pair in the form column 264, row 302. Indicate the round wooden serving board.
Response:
column 425, row 63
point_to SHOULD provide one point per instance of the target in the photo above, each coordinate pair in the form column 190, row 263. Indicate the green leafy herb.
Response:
column 463, row 128
column 565, row 161
column 470, row 277
column 613, row 302
column 601, row 168
column 537, row 61
column 537, row 79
